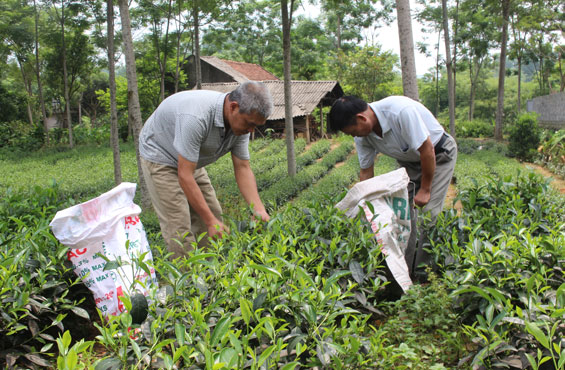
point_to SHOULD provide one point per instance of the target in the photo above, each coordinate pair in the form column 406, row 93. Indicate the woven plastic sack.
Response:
column 107, row 226
column 389, row 215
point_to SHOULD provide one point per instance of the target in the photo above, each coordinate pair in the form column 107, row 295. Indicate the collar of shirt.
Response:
column 385, row 127
column 219, row 115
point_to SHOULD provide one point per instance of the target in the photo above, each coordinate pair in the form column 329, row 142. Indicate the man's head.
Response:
column 350, row 115
column 248, row 106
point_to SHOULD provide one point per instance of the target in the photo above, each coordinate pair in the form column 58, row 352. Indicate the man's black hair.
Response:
column 344, row 110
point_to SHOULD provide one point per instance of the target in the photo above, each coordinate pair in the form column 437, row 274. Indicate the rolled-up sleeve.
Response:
column 241, row 147
column 413, row 128
column 366, row 152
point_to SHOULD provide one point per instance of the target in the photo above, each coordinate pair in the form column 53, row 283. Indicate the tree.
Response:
column 151, row 15
column 20, row 39
column 114, row 136
column 450, row 82
column 201, row 9
column 38, row 73
column 476, row 32
column 346, row 18
column 368, row 72
column 134, row 110
column 502, row 70
column 407, row 61
column 286, row 16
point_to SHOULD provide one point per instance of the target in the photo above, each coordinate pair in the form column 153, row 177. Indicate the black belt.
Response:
column 438, row 148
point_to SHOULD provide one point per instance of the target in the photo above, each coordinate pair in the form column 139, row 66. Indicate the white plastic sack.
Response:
column 388, row 195
column 102, row 226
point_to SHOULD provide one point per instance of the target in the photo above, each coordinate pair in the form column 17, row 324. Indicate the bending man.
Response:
column 187, row 131
column 407, row 131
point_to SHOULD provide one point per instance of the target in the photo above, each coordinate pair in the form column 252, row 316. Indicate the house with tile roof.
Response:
column 225, row 75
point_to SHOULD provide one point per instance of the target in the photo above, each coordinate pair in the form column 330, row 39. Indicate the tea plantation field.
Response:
column 308, row 289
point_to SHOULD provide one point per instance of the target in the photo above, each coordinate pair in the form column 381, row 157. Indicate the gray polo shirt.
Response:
column 405, row 124
column 190, row 123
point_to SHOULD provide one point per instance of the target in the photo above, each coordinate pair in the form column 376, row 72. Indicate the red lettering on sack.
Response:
column 131, row 220
column 120, row 292
column 73, row 253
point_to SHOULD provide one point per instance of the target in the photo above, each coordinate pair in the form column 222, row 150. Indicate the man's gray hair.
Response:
column 253, row 96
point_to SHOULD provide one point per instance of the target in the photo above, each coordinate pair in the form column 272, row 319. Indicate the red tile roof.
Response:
column 240, row 71
column 252, row 71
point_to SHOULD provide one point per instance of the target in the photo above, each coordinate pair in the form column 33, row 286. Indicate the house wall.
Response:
column 209, row 74
column 550, row 110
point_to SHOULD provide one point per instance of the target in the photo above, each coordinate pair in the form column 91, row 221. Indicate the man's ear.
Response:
column 233, row 106
column 361, row 116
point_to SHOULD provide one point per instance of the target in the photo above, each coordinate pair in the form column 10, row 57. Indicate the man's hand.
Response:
column 422, row 198
column 262, row 215
column 217, row 230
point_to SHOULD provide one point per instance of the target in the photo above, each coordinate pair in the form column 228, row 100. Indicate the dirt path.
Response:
column 557, row 182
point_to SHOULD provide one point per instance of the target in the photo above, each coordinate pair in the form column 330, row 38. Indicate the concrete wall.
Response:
column 550, row 110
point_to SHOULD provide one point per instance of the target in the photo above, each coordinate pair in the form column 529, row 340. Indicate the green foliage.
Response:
column 524, row 137
column 367, row 72
column 38, row 293
column 20, row 136
column 477, row 128
column 499, row 255
column 552, row 151
column 424, row 309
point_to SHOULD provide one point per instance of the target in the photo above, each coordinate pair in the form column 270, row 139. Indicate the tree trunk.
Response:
column 65, row 77
column 519, row 102
column 502, row 71
column 163, row 66
column 134, row 110
column 198, row 68
column 114, row 134
column 27, row 86
column 321, row 120
column 179, row 34
column 38, row 76
column 436, row 110
column 289, row 126
column 407, row 61
column 450, row 82
column 79, row 107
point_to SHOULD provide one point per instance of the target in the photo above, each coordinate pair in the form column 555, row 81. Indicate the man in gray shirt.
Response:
column 407, row 131
column 186, row 132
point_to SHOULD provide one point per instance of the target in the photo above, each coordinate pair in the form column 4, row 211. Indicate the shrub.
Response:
column 552, row 150
column 524, row 137
column 20, row 135
column 475, row 128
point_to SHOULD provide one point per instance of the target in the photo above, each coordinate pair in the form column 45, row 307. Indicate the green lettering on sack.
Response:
column 98, row 267
column 101, row 277
column 399, row 207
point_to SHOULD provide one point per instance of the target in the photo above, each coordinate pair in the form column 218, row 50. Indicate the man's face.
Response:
column 245, row 123
column 361, row 127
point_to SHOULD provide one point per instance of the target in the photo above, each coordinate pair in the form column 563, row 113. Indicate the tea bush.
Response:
column 502, row 258
column 524, row 137
column 476, row 128
column 39, row 295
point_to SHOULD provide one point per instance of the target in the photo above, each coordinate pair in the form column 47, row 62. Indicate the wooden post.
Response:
column 308, row 129
column 321, row 120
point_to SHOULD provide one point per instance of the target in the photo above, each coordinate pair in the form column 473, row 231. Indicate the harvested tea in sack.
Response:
column 384, row 201
column 103, row 230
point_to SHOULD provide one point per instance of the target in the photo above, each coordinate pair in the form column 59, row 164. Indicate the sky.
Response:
column 387, row 36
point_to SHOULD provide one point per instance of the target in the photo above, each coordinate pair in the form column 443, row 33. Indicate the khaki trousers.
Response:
column 415, row 254
column 180, row 224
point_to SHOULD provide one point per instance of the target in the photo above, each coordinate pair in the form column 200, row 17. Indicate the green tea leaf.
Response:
column 534, row 330
column 220, row 330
